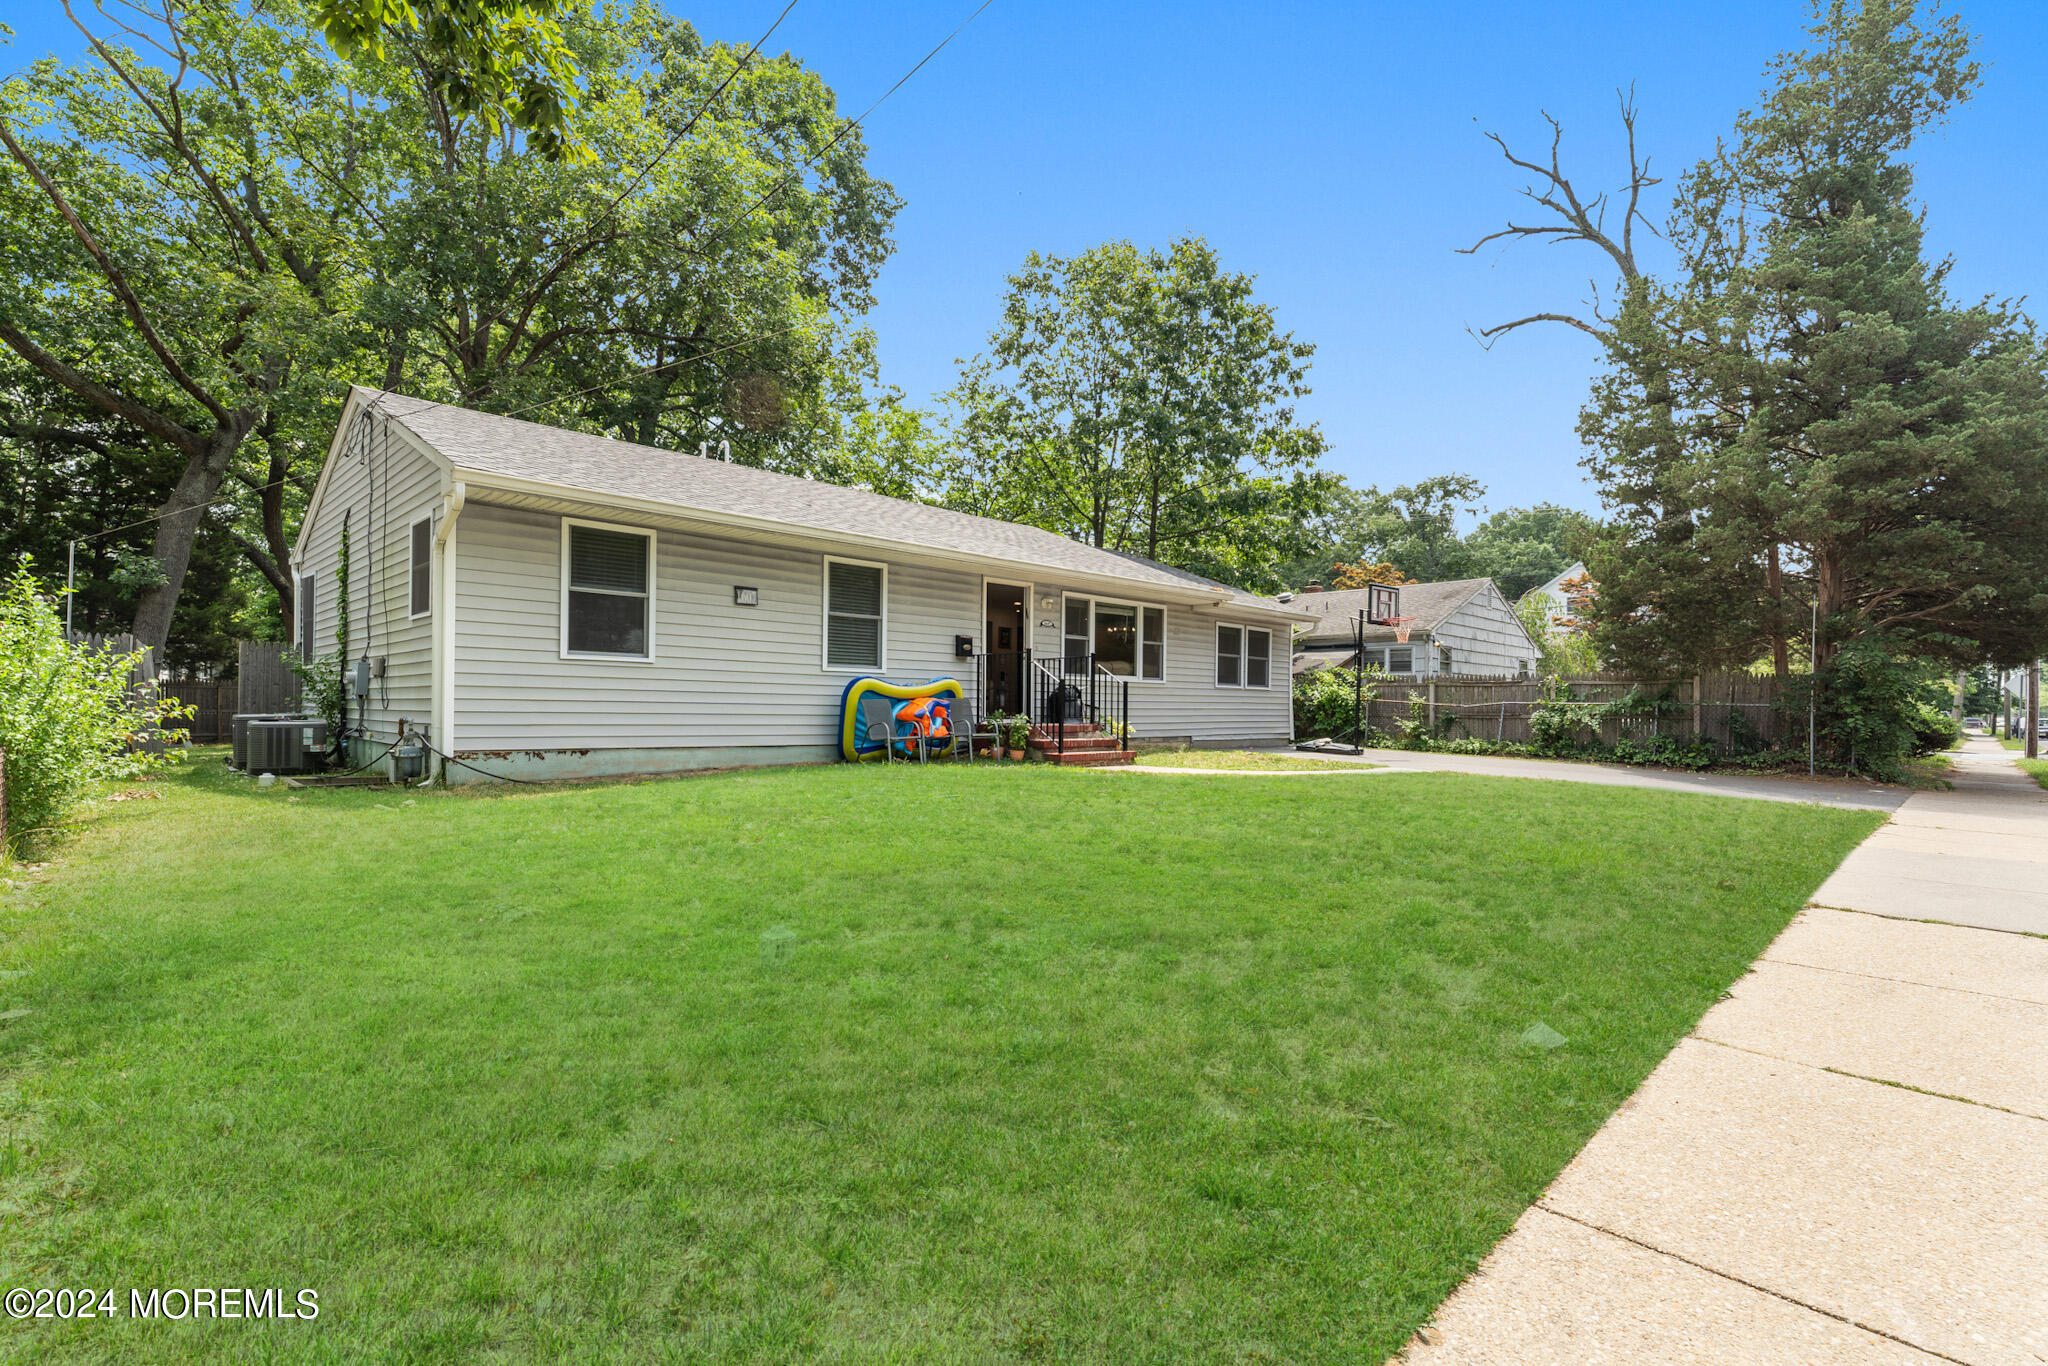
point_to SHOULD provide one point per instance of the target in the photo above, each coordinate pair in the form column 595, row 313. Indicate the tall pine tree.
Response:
column 1804, row 423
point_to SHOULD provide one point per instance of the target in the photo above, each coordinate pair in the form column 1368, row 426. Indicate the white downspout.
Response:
column 444, row 620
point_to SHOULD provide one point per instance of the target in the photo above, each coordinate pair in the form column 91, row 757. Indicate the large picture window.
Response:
column 1127, row 639
column 856, row 614
column 420, row 599
column 607, row 591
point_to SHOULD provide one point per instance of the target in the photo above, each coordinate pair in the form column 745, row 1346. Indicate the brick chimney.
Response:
column 1313, row 588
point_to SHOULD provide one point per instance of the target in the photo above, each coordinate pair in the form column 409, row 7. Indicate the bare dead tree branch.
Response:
column 1579, row 219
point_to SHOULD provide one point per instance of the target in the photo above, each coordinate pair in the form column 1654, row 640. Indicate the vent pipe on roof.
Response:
column 724, row 451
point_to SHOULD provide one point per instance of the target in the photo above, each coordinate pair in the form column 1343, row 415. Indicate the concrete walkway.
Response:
column 1847, row 1161
column 1825, row 791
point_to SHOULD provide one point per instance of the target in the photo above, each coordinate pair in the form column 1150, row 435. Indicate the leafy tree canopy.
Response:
column 1143, row 400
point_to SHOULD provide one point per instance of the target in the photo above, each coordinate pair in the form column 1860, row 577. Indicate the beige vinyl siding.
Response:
column 1187, row 704
column 380, row 497
column 722, row 675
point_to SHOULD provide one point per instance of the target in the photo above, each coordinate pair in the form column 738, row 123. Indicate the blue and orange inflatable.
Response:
column 918, row 711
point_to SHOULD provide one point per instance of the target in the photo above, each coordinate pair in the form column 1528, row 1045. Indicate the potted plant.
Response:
column 1015, row 731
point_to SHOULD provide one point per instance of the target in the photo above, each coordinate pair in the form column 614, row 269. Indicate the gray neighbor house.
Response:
column 1462, row 626
column 542, row 603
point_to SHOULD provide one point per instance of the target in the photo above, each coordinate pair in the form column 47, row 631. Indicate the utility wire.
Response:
column 159, row 516
column 675, row 141
column 790, row 179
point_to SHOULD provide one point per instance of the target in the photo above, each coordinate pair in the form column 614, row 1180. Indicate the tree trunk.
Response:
column 178, row 527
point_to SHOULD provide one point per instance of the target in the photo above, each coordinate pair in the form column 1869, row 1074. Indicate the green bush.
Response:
column 1873, row 709
column 67, row 714
column 1324, row 701
column 1935, row 730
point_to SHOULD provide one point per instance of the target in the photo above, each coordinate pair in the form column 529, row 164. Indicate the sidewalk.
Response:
column 1847, row 1161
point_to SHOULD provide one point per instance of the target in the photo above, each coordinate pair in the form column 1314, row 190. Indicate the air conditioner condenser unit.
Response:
column 286, row 746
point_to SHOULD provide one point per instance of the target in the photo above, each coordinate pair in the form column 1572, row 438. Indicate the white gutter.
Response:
column 444, row 617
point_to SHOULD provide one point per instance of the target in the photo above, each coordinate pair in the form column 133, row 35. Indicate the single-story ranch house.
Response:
column 547, row 603
column 1463, row 626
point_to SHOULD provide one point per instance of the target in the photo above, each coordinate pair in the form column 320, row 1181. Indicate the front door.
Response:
column 1003, row 680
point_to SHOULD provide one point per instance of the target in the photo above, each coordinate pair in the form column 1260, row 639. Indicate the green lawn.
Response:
column 1241, row 759
column 961, row 1064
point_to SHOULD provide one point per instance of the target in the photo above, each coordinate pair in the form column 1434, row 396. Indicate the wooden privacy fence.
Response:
column 260, row 681
column 267, row 682
column 1736, row 710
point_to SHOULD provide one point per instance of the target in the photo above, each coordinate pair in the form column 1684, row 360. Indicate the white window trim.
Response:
column 1029, row 616
column 1244, row 656
column 1137, row 605
column 653, row 573
column 410, row 529
column 1216, row 655
column 825, row 663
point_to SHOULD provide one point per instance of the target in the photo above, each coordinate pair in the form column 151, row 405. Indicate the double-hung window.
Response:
column 1127, row 639
column 856, row 614
column 1244, row 657
column 420, row 599
column 607, row 591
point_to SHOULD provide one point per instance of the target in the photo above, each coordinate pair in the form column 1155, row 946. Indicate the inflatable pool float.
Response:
column 852, row 744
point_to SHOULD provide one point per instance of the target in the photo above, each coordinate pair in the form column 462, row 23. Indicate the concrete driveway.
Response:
column 1847, row 1160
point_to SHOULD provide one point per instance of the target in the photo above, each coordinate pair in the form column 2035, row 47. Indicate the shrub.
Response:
column 67, row 714
column 1934, row 730
column 1558, row 725
column 1323, row 701
column 1871, row 705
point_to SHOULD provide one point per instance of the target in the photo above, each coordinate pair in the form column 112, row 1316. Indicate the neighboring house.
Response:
column 546, row 603
column 1552, row 594
column 1465, row 626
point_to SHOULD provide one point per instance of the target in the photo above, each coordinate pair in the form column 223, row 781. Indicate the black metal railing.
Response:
column 1074, row 692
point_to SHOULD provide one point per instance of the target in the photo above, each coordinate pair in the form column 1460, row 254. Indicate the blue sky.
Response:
column 1335, row 151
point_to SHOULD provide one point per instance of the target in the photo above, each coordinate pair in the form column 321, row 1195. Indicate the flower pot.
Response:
column 1016, row 755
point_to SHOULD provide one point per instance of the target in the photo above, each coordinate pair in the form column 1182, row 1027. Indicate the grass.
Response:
column 988, row 1063
column 2035, row 768
column 1242, row 759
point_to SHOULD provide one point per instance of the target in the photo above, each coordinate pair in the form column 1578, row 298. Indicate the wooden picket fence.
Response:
column 1737, row 710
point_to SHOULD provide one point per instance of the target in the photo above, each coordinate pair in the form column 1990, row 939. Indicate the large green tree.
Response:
column 699, row 277
column 1143, row 400
column 213, row 224
column 1848, row 444
column 167, row 256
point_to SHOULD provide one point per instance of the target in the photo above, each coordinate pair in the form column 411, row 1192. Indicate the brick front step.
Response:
column 1087, row 756
column 1075, row 742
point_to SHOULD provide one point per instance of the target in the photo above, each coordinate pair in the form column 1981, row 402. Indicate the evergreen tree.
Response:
column 1805, row 426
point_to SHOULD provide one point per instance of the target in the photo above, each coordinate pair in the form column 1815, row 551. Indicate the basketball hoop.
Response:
column 1382, row 602
column 1400, row 625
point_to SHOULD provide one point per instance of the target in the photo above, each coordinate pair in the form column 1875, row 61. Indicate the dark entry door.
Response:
column 1004, row 646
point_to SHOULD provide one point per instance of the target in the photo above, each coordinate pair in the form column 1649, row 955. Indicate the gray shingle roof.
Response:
column 1431, row 604
column 484, row 444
